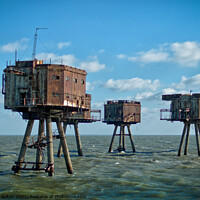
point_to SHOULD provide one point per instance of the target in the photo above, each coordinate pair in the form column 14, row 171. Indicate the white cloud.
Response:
column 63, row 44
column 11, row 47
column 89, row 86
column 150, row 56
column 191, row 83
column 64, row 59
column 147, row 96
column 131, row 84
column 186, row 53
column 92, row 66
column 98, row 105
column 169, row 91
column 69, row 59
column 150, row 113
column 157, row 95
column 121, row 56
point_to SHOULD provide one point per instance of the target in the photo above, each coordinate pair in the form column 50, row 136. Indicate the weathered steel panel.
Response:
column 32, row 83
column 184, row 107
column 122, row 112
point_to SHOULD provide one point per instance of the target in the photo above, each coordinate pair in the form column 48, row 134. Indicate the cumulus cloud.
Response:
column 131, row 84
column 63, row 44
column 157, row 95
column 121, row 56
column 190, row 83
column 150, row 56
column 169, row 91
column 90, row 66
column 89, row 86
column 98, row 105
column 147, row 96
column 64, row 59
column 185, row 54
column 12, row 46
column 93, row 65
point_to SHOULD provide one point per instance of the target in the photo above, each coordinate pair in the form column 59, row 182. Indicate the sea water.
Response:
column 154, row 171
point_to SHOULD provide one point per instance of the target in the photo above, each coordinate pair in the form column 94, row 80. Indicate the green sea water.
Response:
column 153, row 172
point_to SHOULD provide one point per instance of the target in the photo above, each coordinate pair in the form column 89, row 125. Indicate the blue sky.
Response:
column 131, row 49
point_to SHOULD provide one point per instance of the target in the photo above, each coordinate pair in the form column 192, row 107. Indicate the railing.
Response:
column 165, row 114
column 177, row 115
column 26, row 102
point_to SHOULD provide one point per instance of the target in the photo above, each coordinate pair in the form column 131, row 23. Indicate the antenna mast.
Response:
column 35, row 42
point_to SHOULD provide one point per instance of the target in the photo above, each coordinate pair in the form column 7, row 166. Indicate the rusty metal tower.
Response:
column 184, row 108
column 48, row 93
column 122, row 114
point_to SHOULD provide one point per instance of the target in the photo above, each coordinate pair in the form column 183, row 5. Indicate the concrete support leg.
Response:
column 182, row 139
column 64, row 147
column 197, row 137
column 60, row 146
column 112, row 140
column 123, row 137
column 78, row 140
column 120, row 138
column 50, row 168
column 24, row 145
column 187, row 139
column 39, row 149
column 131, row 138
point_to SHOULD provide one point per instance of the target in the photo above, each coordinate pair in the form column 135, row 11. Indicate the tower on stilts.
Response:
column 48, row 93
column 184, row 108
column 122, row 114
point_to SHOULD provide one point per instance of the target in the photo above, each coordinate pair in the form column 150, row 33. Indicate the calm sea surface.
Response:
column 154, row 171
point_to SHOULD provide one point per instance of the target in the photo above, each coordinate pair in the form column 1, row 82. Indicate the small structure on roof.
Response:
column 122, row 113
column 51, row 92
column 184, row 108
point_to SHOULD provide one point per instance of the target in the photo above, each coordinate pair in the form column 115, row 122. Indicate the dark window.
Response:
column 55, row 77
column 82, row 81
column 75, row 80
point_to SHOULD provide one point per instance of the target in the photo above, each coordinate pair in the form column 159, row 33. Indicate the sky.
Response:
column 131, row 50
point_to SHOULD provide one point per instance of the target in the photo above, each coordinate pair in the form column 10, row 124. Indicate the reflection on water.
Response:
column 154, row 171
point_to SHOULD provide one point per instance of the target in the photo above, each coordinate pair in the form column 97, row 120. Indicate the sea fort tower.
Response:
column 184, row 108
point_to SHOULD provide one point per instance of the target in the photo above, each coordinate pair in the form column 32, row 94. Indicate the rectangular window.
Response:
column 75, row 80
column 66, row 78
column 82, row 81
column 55, row 77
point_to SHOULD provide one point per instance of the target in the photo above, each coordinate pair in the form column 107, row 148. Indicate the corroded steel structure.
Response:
column 51, row 93
column 122, row 113
column 184, row 108
column 30, row 85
